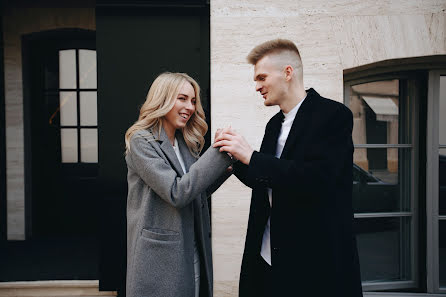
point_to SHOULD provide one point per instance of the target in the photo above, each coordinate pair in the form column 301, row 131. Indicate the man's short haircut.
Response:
column 272, row 47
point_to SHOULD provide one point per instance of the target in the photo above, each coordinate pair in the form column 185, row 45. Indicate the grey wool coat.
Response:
column 166, row 209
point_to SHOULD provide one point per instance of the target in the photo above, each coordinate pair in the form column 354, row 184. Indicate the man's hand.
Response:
column 235, row 144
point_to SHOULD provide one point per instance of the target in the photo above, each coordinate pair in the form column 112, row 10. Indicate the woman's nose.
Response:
column 190, row 105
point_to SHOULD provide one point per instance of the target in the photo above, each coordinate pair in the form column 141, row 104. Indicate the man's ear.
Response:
column 288, row 72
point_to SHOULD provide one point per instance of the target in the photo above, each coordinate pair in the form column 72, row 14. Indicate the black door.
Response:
column 134, row 45
column 61, row 167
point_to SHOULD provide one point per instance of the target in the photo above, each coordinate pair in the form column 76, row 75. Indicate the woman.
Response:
column 168, row 229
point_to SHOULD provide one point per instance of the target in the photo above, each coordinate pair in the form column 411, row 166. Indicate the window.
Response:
column 78, row 106
column 436, row 180
column 383, row 175
column 399, row 198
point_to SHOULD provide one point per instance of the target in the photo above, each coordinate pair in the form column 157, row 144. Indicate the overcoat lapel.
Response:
column 269, row 142
column 300, row 123
column 167, row 149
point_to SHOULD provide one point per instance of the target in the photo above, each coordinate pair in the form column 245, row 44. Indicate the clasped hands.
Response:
column 228, row 140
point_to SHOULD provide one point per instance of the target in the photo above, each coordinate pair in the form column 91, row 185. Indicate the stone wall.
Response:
column 331, row 36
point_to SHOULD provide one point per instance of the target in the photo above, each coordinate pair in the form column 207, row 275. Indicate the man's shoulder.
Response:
column 330, row 105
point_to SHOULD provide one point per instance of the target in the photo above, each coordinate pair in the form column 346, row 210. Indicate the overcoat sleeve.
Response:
column 159, row 175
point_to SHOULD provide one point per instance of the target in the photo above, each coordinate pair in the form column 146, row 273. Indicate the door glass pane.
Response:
column 89, row 145
column 68, row 108
column 381, row 180
column 87, row 69
column 442, row 141
column 442, row 111
column 68, row 139
column 88, row 108
column 384, row 248
column 67, row 69
column 442, row 252
column 375, row 108
column 442, row 184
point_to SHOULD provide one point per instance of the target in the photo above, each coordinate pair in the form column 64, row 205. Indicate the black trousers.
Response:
column 263, row 277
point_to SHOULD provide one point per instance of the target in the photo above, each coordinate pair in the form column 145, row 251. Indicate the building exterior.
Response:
column 71, row 81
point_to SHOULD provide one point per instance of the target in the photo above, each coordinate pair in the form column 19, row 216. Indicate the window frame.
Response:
column 432, row 181
column 78, row 91
column 397, row 68
column 413, row 213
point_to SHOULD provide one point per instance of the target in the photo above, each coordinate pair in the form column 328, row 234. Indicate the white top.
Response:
column 196, row 256
column 265, row 251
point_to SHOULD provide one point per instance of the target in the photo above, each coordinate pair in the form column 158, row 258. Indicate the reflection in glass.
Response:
column 68, row 139
column 384, row 248
column 442, row 252
column 442, row 111
column 375, row 108
column 67, row 69
column 68, row 108
column 89, row 145
column 383, row 186
column 88, row 108
column 87, row 69
column 442, row 184
column 442, row 151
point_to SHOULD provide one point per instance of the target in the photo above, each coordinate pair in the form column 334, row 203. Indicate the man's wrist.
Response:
column 248, row 158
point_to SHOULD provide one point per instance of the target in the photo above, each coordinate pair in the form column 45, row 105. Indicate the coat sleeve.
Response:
column 158, row 174
column 214, row 187
column 315, row 173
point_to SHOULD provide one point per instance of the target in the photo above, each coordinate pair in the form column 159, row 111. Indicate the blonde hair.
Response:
column 274, row 46
column 160, row 100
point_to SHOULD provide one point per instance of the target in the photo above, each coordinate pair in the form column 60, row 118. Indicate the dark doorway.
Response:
column 62, row 202
column 135, row 43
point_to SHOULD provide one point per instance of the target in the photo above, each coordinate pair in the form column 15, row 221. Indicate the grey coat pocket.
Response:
column 160, row 234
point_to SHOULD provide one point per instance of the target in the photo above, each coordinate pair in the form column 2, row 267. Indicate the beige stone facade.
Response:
column 331, row 36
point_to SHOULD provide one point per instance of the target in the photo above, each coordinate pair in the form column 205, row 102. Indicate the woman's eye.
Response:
column 181, row 98
column 194, row 102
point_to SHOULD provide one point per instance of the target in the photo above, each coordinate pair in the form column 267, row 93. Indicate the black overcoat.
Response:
column 312, row 240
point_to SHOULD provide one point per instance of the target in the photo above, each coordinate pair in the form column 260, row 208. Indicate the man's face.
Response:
column 270, row 81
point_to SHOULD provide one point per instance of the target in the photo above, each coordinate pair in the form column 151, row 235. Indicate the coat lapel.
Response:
column 167, row 149
column 299, row 123
column 188, row 158
column 269, row 142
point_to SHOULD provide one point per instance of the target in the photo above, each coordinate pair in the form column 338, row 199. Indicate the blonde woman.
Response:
column 168, row 229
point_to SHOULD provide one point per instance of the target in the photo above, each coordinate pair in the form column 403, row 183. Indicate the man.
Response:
column 300, row 239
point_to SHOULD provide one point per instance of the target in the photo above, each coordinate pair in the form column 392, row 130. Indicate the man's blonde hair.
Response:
column 160, row 100
column 274, row 46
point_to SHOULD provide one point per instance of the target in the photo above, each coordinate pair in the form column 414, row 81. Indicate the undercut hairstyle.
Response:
column 275, row 46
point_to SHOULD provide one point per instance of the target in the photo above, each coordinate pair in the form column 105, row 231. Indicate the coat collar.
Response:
column 168, row 150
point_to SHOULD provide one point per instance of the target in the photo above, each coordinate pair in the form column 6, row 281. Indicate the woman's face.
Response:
column 183, row 109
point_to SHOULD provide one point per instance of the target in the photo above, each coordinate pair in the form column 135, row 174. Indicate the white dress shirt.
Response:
column 265, row 251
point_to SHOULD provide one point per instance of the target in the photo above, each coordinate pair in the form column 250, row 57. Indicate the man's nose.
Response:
column 258, row 87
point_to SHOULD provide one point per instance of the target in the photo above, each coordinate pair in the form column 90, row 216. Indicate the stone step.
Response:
column 72, row 288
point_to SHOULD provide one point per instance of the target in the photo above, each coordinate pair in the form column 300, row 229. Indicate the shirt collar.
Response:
column 292, row 113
